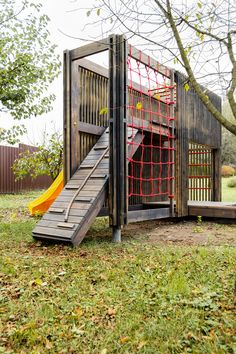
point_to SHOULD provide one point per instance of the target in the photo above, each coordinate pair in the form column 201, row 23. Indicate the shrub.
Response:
column 227, row 171
column 232, row 182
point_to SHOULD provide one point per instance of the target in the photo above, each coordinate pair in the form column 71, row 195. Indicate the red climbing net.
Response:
column 151, row 97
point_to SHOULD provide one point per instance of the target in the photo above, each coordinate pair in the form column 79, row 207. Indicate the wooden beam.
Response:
column 94, row 67
column 90, row 49
column 145, row 125
column 148, row 214
column 212, row 209
column 91, row 129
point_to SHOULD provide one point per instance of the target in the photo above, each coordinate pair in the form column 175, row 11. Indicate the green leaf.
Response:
column 199, row 5
column 88, row 13
column 98, row 12
column 186, row 87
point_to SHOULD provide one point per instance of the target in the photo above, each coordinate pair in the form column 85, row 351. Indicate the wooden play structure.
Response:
column 137, row 145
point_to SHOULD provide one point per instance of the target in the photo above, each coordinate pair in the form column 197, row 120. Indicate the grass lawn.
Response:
column 136, row 297
column 15, row 201
column 228, row 194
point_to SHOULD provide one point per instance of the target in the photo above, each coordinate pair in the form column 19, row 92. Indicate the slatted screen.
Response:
column 200, row 172
column 93, row 97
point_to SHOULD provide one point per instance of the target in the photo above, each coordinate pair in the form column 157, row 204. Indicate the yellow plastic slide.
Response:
column 42, row 203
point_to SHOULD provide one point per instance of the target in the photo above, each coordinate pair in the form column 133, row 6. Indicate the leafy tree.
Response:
column 199, row 36
column 28, row 63
column 46, row 161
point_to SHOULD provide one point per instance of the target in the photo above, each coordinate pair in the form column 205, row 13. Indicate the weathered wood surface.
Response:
column 202, row 127
column 222, row 210
column 87, row 203
column 148, row 214
column 118, row 203
column 66, row 115
column 90, row 49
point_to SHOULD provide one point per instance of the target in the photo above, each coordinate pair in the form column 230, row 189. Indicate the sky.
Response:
column 72, row 24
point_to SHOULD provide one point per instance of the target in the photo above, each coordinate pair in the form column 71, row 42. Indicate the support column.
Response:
column 66, row 115
column 117, row 133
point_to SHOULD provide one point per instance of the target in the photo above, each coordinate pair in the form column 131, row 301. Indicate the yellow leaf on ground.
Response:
column 124, row 339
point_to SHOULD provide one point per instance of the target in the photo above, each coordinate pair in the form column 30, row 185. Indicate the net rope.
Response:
column 151, row 162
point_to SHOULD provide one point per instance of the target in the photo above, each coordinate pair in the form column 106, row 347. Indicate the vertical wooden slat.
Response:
column 75, row 103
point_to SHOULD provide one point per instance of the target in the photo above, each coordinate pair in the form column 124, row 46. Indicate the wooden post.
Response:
column 182, row 141
column 66, row 115
column 216, row 177
column 172, row 142
column 117, row 131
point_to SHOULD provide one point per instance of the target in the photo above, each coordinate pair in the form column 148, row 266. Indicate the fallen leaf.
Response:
column 111, row 312
column 124, row 339
column 104, row 351
column 141, row 344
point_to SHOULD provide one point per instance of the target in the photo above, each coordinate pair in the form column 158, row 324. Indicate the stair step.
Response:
column 72, row 186
column 84, row 200
column 98, row 176
column 66, row 225
column 86, row 166
column 101, row 147
column 56, row 210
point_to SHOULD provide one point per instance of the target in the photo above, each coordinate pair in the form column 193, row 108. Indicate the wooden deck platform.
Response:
column 222, row 210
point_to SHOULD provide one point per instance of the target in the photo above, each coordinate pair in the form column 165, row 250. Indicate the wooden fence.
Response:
column 8, row 154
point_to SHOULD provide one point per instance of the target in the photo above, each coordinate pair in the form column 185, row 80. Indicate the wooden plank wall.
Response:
column 195, row 124
column 85, row 94
column 202, row 127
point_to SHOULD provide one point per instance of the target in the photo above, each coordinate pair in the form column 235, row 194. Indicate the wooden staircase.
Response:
column 72, row 213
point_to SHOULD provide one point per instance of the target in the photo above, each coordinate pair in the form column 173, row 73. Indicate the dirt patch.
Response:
column 185, row 233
